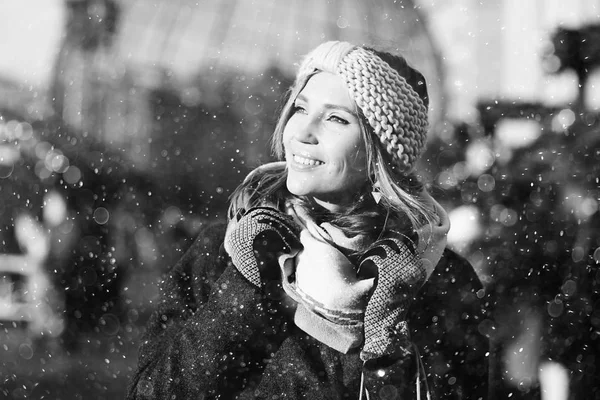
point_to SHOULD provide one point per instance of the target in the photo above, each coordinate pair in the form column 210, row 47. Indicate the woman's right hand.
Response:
column 256, row 240
column 326, row 275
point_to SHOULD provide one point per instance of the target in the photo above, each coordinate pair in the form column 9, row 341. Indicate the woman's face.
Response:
column 324, row 148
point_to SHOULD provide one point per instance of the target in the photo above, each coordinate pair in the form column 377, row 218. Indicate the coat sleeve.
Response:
column 211, row 331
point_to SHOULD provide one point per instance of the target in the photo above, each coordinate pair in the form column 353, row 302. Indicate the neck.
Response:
column 333, row 207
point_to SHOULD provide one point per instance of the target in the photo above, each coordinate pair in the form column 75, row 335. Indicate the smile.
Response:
column 307, row 161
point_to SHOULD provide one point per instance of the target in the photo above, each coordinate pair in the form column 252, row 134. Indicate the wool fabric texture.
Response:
column 393, row 109
column 213, row 335
column 258, row 221
column 401, row 274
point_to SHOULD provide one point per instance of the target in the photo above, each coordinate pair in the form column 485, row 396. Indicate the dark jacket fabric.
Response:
column 216, row 336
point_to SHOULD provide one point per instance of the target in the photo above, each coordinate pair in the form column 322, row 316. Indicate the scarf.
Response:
column 330, row 292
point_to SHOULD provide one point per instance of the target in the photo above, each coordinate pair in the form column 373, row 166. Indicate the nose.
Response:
column 306, row 131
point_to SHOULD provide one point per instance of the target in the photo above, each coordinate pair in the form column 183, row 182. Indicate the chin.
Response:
column 296, row 187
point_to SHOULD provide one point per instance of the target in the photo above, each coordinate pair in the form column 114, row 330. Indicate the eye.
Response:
column 339, row 120
column 298, row 109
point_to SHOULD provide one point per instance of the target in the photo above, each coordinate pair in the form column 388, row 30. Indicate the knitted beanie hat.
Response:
column 394, row 104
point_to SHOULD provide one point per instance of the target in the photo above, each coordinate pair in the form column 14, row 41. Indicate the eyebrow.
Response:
column 329, row 106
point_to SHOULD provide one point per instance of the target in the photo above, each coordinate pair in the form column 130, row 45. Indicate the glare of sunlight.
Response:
column 465, row 226
column 554, row 381
column 515, row 133
column 563, row 120
column 575, row 201
column 560, row 89
column 31, row 33
column 55, row 209
column 479, row 157
column 522, row 355
column 31, row 236
column 592, row 94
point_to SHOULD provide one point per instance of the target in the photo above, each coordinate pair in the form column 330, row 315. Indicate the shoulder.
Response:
column 453, row 276
column 455, row 267
column 453, row 295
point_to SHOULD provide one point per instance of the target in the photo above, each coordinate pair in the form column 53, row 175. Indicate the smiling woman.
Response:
column 325, row 253
column 324, row 145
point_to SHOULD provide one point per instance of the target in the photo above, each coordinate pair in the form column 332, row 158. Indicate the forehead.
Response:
column 327, row 88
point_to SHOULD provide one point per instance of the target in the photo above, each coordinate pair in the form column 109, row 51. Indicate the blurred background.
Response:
column 125, row 125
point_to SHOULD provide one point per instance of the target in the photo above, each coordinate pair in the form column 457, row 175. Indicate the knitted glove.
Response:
column 256, row 240
column 399, row 274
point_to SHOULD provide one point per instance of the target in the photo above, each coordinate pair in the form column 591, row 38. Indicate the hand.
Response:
column 257, row 239
column 400, row 273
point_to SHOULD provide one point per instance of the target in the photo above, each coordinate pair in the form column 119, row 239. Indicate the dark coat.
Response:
column 214, row 335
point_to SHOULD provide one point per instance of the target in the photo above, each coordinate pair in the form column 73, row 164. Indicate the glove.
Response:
column 256, row 240
column 399, row 274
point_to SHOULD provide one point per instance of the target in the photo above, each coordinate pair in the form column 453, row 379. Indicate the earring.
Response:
column 376, row 193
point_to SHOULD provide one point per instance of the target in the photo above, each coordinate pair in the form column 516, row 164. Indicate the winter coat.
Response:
column 216, row 336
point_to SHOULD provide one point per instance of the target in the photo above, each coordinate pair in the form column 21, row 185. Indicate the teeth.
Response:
column 307, row 161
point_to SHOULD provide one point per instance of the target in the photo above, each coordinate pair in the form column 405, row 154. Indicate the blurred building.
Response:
column 493, row 50
column 486, row 49
column 99, row 62
column 145, row 61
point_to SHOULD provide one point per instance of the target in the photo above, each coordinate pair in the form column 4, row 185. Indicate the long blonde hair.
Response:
column 401, row 206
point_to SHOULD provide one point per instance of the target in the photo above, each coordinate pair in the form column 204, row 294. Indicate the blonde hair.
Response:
column 400, row 207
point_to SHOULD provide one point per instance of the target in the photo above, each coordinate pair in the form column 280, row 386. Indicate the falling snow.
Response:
column 109, row 174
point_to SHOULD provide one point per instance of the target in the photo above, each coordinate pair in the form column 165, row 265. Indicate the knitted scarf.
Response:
column 338, row 321
column 336, row 318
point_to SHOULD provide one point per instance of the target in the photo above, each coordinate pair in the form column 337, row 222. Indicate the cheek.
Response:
column 351, row 166
column 285, row 137
column 289, row 129
column 356, row 158
column 360, row 160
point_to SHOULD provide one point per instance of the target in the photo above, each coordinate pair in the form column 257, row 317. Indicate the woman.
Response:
column 323, row 254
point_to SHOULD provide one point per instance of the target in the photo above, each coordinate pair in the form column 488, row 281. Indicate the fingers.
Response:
column 309, row 242
column 363, row 286
column 287, row 262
